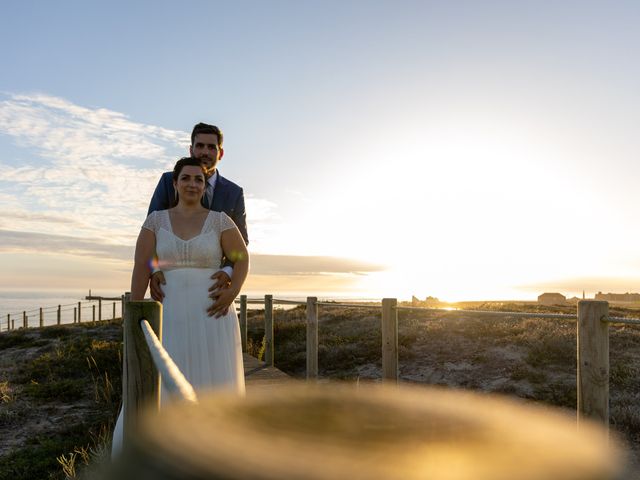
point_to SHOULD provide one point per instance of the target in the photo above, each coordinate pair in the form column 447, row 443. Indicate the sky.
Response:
column 463, row 150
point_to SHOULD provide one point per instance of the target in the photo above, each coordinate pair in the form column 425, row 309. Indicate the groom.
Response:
column 221, row 195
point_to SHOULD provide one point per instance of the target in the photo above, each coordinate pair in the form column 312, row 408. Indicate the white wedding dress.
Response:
column 206, row 349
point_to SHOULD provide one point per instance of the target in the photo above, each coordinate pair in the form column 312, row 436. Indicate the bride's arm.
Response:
column 145, row 251
column 235, row 250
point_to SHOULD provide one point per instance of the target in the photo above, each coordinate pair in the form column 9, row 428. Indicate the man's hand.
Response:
column 221, row 283
column 220, row 280
column 157, row 279
column 222, row 301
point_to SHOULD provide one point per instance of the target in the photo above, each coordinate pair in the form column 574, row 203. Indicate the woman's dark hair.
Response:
column 186, row 161
column 180, row 164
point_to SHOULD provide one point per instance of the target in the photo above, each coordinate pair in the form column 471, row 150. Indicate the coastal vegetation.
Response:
column 60, row 387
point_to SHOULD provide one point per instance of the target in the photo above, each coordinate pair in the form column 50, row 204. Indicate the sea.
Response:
column 16, row 304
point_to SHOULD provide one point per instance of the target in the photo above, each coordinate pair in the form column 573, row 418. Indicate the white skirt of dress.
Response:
column 207, row 350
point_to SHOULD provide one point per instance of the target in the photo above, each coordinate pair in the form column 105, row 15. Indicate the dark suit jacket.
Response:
column 227, row 197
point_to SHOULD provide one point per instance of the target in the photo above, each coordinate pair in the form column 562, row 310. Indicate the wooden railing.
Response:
column 592, row 342
column 97, row 313
column 141, row 390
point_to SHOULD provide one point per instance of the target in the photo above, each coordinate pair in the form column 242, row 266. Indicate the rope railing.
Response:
column 493, row 312
column 348, row 305
column 172, row 378
column 628, row 321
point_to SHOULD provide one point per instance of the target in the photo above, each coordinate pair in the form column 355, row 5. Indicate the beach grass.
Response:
column 60, row 386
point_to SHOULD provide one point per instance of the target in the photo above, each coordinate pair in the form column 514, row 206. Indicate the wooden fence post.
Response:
column 140, row 378
column 389, row 340
column 312, row 338
column 243, row 322
column 99, row 309
column 93, row 319
column 125, row 299
column 75, row 309
column 114, row 311
column 593, row 361
column 13, row 324
column 41, row 318
column 268, row 330
column 79, row 312
column 25, row 322
column 59, row 315
column 8, row 321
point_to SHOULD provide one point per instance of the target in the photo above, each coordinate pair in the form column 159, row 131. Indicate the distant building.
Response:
column 552, row 299
column 618, row 297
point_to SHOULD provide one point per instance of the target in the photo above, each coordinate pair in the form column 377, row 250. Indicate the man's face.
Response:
column 205, row 148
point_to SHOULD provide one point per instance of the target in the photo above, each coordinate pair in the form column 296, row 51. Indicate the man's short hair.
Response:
column 206, row 128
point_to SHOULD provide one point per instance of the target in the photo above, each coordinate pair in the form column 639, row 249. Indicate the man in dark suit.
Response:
column 221, row 195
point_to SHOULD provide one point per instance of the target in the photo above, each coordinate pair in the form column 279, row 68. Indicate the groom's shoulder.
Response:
column 228, row 184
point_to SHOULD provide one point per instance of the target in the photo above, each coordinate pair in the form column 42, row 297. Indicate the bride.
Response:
column 189, row 242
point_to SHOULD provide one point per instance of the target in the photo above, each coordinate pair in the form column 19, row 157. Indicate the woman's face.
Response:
column 190, row 184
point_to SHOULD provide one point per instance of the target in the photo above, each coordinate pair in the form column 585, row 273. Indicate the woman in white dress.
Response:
column 189, row 242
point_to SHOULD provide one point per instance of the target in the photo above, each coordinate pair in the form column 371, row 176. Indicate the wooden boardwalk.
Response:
column 258, row 376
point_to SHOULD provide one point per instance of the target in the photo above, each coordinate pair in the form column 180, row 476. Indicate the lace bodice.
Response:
column 202, row 251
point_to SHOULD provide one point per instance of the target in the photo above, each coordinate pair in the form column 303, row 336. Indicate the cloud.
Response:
column 29, row 242
column 25, row 242
column 59, row 130
column 89, row 172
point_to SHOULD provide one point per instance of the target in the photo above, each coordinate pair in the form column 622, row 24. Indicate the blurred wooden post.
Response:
column 312, row 338
column 114, row 310
column 99, row 309
column 243, row 322
column 8, row 321
column 93, row 318
column 13, row 324
column 268, row 329
column 79, row 312
column 41, row 318
column 389, row 340
column 75, row 309
column 25, row 322
column 59, row 315
column 140, row 378
column 593, row 361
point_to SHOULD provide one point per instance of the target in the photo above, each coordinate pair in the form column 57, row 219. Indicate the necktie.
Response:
column 208, row 197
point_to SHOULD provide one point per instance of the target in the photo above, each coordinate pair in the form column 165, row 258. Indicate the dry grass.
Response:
column 533, row 359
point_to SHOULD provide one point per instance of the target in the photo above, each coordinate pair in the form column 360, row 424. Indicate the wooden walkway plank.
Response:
column 258, row 375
